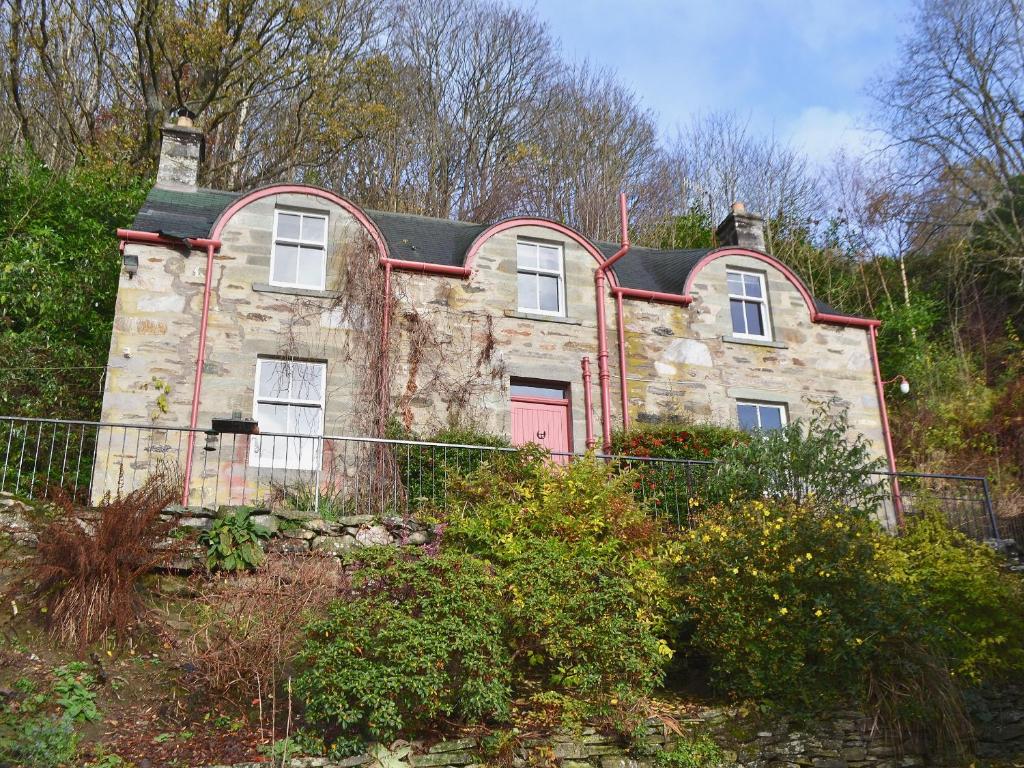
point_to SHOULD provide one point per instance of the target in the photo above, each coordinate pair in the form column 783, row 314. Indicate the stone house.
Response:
column 270, row 305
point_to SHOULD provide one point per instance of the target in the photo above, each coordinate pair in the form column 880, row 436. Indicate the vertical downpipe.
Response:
column 622, row 363
column 897, row 498
column 197, row 388
column 588, row 405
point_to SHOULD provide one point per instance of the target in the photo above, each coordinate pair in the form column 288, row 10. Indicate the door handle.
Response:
column 541, row 435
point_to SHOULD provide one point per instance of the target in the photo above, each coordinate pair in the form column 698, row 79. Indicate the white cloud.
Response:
column 820, row 132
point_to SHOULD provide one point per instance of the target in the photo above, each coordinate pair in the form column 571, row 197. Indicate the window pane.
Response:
column 272, row 418
column 548, row 258
column 307, row 380
column 735, row 283
column 288, row 225
column 753, row 285
column 753, row 312
column 311, row 267
column 285, row 260
column 527, row 286
column 274, row 379
column 736, row 308
column 555, row 391
column 526, row 255
column 771, row 417
column 748, row 416
column 313, row 228
column 305, row 420
column 548, row 299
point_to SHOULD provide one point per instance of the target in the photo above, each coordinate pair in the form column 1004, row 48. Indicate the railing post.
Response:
column 989, row 509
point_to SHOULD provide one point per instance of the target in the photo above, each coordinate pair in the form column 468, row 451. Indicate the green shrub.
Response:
column 960, row 586
column 695, row 442
column 818, row 459
column 234, row 542
column 698, row 752
column 414, row 639
column 428, row 472
column 783, row 601
column 578, row 563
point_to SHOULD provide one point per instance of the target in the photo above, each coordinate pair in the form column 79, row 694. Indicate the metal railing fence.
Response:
column 338, row 476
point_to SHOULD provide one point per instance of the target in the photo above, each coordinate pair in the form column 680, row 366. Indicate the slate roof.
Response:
column 183, row 213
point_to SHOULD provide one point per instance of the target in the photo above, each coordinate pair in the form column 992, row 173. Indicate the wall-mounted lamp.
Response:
column 904, row 384
column 131, row 265
column 211, row 440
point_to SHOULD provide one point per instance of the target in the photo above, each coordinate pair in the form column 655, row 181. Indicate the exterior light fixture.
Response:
column 904, row 384
column 211, row 440
column 131, row 265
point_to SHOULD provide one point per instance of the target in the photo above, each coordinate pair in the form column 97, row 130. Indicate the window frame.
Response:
column 762, row 303
column 299, row 243
column 540, row 271
column 257, row 458
column 782, row 408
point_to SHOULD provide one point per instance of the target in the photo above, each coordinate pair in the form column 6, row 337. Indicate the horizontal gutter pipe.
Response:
column 426, row 267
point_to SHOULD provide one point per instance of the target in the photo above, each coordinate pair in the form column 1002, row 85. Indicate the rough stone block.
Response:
column 434, row 760
column 335, row 545
column 457, row 745
column 374, row 536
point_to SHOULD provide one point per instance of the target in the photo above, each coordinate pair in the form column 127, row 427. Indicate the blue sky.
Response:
column 799, row 69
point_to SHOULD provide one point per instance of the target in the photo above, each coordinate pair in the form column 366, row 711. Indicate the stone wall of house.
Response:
column 843, row 740
column 457, row 346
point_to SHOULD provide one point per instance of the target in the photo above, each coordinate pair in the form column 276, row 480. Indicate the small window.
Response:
column 763, row 417
column 543, row 390
column 299, row 258
column 748, row 305
column 289, row 401
column 541, row 278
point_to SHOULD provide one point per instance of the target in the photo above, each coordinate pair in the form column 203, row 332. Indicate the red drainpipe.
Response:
column 197, row 388
column 152, row 238
column 385, row 332
column 886, row 433
column 602, row 329
column 622, row 362
column 588, row 406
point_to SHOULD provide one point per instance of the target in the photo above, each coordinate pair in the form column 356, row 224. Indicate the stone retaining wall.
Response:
column 293, row 531
column 844, row 740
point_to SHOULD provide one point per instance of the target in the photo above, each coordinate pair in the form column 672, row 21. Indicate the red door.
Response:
column 542, row 421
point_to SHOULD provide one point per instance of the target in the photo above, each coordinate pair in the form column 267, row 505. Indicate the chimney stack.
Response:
column 181, row 151
column 742, row 229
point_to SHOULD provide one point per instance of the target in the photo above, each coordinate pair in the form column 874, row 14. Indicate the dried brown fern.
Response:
column 88, row 563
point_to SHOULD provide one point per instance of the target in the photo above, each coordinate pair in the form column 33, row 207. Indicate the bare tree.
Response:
column 719, row 160
column 598, row 140
column 954, row 109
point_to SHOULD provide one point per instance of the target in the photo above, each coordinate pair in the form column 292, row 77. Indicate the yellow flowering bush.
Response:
column 961, row 587
column 783, row 602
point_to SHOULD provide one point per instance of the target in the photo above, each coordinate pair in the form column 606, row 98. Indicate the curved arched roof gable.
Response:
column 534, row 221
column 302, row 189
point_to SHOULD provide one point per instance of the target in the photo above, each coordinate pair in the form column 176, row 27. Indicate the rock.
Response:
column 568, row 750
column 458, row 745
column 374, row 536
column 267, row 521
column 622, row 761
column 417, row 538
column 854, row 753
column 323, row 527
column 433, row 759
column 288, row 546
column 297, row 533
column 333, row 544
column 201, row 523
column 354, row 521
column 828, row 762
column 298, row 515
